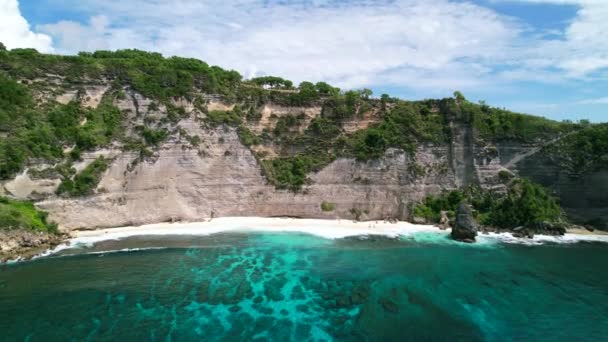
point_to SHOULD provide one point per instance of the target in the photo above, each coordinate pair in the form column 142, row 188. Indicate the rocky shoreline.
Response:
column 465, row 228
column 24, row 245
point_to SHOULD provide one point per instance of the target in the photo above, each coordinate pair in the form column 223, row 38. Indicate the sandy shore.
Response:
column 330, row 229
column 583, row 231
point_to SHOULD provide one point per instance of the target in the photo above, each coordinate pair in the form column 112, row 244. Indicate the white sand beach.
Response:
column 329, row 229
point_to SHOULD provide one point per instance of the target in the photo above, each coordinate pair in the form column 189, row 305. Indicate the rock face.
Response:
column 25, row 244
column 222, row 177
column 584, row 197
column 465, row 227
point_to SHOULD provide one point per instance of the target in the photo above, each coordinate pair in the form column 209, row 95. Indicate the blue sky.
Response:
column 544, row 57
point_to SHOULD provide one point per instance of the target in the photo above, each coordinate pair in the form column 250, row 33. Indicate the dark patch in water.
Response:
column 296, row 287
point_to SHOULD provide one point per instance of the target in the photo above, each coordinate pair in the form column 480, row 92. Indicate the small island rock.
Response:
column 465, row 227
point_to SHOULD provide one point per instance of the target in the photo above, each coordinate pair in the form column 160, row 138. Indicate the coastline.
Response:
column 327, row 229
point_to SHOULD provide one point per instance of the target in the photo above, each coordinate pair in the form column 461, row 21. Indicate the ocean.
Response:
column 297, row 287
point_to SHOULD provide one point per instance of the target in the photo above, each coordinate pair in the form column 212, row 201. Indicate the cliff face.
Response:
column 583, row 196
column 219, row 176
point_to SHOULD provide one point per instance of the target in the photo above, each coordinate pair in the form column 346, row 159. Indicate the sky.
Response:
column 543, row 57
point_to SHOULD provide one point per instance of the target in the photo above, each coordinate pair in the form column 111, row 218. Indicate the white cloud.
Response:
column 435, row 44
column 74, row 37
column 601, row 100
column 583, row 50
column 432, row 46
column 15, row 31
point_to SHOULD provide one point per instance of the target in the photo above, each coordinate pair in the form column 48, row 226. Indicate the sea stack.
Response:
column 465, row 227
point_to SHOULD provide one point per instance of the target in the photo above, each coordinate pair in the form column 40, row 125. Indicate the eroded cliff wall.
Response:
column 219, row 176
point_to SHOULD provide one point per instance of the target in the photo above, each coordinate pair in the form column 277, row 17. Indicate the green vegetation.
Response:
column 85, row 182
column 340, row 106
column 230, row 118
column 42, row 132
column 323, row 141
column 358, row 213
column 405, row 126
column 31, row 129
column 289, row 173
column 495, row 124
column 147, row 72
column 23, row 215
column 153, row 137
column 525, row 204
column 247, row 137
column 328, row 206
column 584, row 151
column 432, row 206
column 505, row 176
column 318, row 146
column 286, row 123
column 272, row 82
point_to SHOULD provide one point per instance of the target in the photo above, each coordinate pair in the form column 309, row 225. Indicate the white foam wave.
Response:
column 123, row 250
column 321, row 228
column 328, row 229
column 541, row 239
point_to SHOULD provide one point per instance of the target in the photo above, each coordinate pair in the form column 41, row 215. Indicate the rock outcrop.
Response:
column 24, row 244
column 220, row 176
column 465, row 227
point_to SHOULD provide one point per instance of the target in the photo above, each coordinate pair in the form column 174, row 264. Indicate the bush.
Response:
column 16, row 214
column 432, row 206
column 153, row 137
column 526, row 204
column 403, row 127
column 505, row 176
column 285, row 124
column 371, row 144
column 86, row 181
column 217, row 117
column 287, row 173
column 494, row 124
column 42, row 131
column 272, row 82
column 583, row 151
column 328, row 206
column 247, row 137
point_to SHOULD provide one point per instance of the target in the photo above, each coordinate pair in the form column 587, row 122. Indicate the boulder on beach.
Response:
column 465, row 227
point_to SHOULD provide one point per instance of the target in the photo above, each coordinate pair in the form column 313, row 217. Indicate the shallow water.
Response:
column 300, row 287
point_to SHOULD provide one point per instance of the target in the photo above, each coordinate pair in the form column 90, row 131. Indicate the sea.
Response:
column 290, row 286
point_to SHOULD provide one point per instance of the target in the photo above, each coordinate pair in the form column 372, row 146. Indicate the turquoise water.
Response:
column 281, row 287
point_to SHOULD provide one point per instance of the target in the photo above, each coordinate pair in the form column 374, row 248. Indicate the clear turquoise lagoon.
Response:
column 297, row 287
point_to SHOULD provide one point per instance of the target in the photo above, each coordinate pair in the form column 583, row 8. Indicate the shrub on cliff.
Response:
column 31, row 131
column 85, row 182
column 219, row 117
column 584, row 151
column 526, row 204
column 16, row 214
column 328, row 206
column 432, row 206
column 288, row 173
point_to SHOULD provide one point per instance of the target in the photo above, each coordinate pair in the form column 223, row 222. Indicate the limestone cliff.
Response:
column 201, row 170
